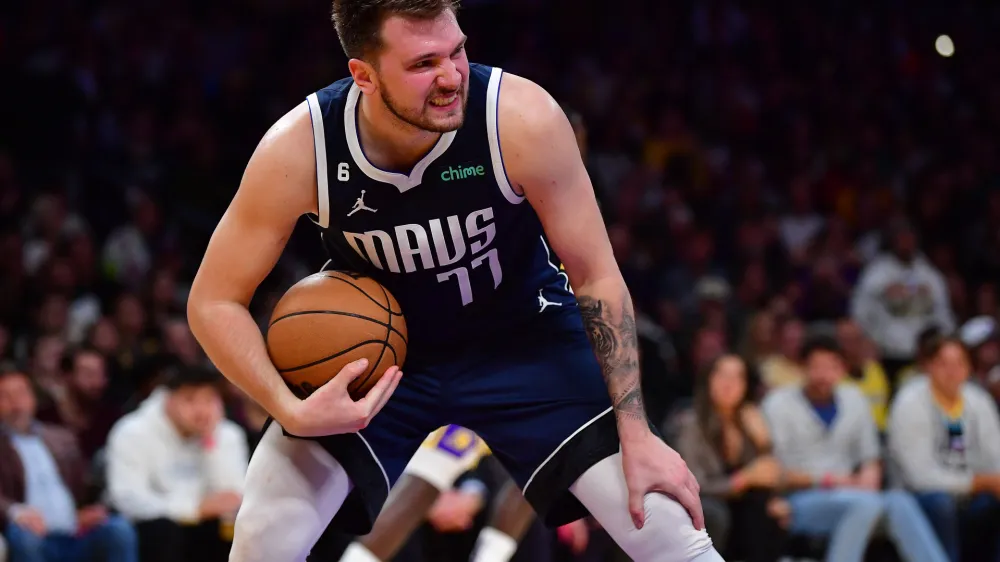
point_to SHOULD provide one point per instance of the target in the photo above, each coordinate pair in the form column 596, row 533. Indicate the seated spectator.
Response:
column 176, row 467
column 982, row 337
column 83, row 407
column 784, row 368
column 3, row 550
column 726, row 443
column 899, row 294
column 863, row 369
column 825, row 438
column 918, row 369
column 943, row 436
column 41, row 489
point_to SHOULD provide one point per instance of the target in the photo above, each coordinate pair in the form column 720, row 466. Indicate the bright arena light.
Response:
column 944, row 46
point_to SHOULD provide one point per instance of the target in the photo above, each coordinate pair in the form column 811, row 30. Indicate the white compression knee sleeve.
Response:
column 356, row 552
column 293, row 489
column 668, row 534
column 494, row 545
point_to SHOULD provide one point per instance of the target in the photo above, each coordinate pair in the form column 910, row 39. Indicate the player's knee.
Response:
column 273, row 535
column 667, row 534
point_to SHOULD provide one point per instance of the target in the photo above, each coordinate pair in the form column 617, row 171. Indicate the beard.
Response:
column 420, row 119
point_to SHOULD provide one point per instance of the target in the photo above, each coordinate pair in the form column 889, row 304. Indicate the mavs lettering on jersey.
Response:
column 450, row 238
column 410, row 241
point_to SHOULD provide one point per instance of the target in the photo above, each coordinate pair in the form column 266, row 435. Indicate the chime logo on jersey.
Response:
column 462, row 172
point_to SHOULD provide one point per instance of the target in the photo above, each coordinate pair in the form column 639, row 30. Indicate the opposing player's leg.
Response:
column 542, row 406
column 441, row 459
column 508, row 523
column 410, row 500
column 296, row 488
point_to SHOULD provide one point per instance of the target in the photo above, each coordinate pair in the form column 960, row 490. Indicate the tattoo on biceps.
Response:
column 613, row 337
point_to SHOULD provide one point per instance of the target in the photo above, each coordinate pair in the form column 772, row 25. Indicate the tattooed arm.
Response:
column 610, row 325
column 543, row 162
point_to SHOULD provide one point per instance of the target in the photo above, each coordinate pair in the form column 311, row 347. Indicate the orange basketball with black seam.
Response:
column 330, row 319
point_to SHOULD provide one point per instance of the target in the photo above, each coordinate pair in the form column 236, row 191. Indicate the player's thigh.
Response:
column 445, row 455
column 543, row 409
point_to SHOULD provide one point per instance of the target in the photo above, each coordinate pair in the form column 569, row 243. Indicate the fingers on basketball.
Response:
column 379, row 395
column 349, row 374
column 364, row 409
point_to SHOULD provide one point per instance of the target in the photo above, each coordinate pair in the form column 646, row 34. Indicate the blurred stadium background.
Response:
column 755, row 162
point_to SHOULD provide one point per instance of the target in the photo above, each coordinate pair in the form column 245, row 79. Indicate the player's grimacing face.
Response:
column 423, row 72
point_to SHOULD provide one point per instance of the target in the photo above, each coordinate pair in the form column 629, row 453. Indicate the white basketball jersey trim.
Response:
column 319, row 143
column 561, row 445
column 402, row 182
column 548, row 257
column 388, row 486
column 492, row 130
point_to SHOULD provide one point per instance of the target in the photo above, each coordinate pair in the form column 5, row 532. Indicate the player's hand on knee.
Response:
column 330, row 410
column 651, row 466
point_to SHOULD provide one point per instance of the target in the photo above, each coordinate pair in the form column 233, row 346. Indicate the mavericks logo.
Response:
column 461, row 173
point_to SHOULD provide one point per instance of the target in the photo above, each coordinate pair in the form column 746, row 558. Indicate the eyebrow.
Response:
column 429, row 55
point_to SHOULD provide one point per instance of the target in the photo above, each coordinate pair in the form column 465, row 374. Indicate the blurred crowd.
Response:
column 804, row 200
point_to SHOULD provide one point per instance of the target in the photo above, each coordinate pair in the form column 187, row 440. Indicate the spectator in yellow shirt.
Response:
column 785, row 368
column 864, row 370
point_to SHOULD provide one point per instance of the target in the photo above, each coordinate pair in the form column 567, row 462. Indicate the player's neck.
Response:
column 388, row 142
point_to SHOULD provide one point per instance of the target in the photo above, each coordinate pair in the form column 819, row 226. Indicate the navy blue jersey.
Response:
column 461, row 250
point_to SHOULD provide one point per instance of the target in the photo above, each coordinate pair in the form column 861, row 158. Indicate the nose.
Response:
column 450, row 77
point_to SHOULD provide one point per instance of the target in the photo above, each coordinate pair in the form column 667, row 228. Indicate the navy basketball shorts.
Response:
column 536, row 397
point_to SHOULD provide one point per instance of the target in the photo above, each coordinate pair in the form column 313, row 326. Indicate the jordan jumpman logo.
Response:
column 543, row 302
column 359, row 205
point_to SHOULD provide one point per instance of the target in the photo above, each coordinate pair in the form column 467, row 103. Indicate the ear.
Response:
column 364, row 75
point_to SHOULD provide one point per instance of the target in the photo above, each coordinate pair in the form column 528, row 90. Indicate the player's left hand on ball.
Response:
column 330, row 410
column 651, row 466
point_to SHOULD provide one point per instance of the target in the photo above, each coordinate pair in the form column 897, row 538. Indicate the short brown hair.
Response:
column 359, row 22
column 938, row 344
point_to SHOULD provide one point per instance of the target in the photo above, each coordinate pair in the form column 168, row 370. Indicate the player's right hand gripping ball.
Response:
column 330, row 319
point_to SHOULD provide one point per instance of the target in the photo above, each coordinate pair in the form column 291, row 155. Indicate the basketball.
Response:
column 330, row 319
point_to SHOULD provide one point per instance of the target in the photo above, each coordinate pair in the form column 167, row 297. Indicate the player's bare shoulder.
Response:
column 538, row 144
column 282, row 169
column 528, row 116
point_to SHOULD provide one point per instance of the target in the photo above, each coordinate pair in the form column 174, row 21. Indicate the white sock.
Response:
column 494, row 546
column 356, row 552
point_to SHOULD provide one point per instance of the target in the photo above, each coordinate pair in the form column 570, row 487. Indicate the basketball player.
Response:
column 474, row 191
column 443, row 457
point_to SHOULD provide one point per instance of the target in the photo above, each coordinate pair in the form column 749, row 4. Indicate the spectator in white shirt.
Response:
column 899, row 294
column 943, row 437
column 176, row 467
column 826, row 440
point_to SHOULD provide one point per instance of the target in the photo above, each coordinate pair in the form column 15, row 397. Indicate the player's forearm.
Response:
column 609, row 320
column 234, row 343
